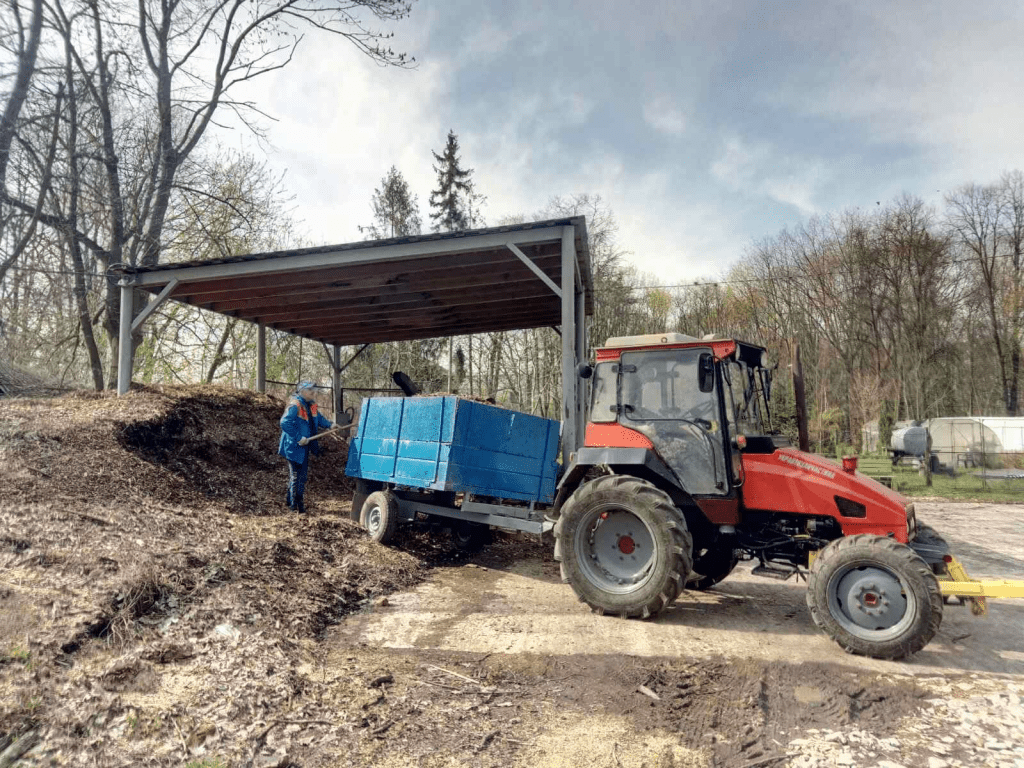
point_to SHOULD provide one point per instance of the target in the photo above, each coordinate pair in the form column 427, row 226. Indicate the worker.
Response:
column 299, row 423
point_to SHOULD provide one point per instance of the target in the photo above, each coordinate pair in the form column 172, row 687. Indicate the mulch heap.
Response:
column 201, row 446
column 149, row 529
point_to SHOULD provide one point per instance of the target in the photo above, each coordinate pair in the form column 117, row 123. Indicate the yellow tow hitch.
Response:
column 959, row 584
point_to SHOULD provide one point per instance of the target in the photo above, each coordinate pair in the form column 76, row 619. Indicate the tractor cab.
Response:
column 696, row 402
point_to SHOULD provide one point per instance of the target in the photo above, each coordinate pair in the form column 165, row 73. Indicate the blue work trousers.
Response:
column 298, row 471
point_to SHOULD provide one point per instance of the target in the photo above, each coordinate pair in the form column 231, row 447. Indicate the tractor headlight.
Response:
column 911, row 522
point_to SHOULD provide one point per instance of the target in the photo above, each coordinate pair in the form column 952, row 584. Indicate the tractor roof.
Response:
column 751, row 354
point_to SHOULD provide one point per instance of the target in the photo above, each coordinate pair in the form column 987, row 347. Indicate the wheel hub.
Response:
column 373, row 520
column 870, row 598
column 618, row 550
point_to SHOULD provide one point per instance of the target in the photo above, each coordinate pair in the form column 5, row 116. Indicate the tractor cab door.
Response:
column 672, row 396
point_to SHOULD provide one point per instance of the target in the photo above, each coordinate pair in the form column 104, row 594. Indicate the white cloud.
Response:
column 663, row 116
column 758, row 169
column 941, row 84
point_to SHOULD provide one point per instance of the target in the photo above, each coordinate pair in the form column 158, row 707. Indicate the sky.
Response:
column 704, row 126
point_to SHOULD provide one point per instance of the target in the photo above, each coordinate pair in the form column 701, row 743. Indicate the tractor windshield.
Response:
column 749, row 389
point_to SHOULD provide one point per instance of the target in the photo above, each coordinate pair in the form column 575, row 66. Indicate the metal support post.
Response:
column 582, row 354
column 124, row 339
column 336, row 382
column 570, row 379
column 261, row 358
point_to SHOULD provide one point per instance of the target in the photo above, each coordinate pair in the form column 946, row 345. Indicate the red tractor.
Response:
column 680, row 477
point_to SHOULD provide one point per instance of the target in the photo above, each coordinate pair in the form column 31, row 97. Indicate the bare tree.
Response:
column 975, row 217
column 155, row 76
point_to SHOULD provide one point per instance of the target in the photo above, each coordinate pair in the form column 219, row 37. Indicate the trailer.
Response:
column 473, row 464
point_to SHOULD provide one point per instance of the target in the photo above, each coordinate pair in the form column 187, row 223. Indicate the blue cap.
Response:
column 305, row 385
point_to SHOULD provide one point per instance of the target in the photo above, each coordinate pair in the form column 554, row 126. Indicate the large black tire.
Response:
column 637, row 565
column 471, row 537
column 711, row 566
column 362, row 491
column 928, row 535
column 379, row 516
column 874, row 596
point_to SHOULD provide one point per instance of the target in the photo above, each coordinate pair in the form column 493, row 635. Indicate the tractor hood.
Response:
column 788, row 480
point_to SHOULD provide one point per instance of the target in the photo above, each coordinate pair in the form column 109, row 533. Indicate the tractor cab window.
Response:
column 603, row 406
column 665, row 386
column 746, row 399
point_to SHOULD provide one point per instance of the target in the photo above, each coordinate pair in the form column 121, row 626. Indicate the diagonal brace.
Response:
column 535, row 269
column 353, row 358
column 154, row 304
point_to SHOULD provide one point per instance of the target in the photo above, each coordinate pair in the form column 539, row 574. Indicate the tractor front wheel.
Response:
column 874, row 596
column 623, row 546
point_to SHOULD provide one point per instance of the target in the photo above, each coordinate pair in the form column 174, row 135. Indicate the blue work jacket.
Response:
column 300, row 420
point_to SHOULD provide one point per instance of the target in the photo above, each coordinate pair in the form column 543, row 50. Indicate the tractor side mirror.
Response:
column 706, row 373
column 585, row 371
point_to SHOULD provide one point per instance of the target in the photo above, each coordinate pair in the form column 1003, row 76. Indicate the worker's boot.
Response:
column 299, row 505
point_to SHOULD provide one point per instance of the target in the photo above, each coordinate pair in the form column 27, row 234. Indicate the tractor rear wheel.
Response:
column 711, row 566
column 623, row 546
column 874, row 596
column 379, row 516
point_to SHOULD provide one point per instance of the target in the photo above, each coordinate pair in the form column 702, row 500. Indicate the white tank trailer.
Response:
column 911, row 442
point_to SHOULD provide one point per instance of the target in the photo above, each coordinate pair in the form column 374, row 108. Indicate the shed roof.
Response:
column 424, row 286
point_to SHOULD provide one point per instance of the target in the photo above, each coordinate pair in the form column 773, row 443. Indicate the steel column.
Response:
column 570, row 379
column 582, row 354
column 124, row 339
column 336, row 382
column 261, row 358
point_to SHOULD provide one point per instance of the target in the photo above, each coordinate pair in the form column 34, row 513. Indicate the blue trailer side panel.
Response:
column 447, row 443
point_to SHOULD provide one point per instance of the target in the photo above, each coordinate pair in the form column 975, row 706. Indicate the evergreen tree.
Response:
column 396, row 211
column 454, row 205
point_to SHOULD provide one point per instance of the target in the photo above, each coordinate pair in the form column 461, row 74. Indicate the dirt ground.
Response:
column 159, row 606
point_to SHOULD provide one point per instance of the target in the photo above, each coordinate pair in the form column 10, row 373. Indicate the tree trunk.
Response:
column 1012, row 383
column 219, row 357
column 19, row 91
column 81, row 295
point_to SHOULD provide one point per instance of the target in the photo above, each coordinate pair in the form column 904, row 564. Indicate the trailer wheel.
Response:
column 363, row 489
column 711, row 566
column 624, row 546
column 380, row 516
column 874, row 596
column 471, row 537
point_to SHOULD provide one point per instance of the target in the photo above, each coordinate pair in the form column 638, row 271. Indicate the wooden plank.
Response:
column 375, row 335
column 423, row 327
column 350, row 254
column 468, row 277
column 543, row 314
column 483, row 285
column 408, row 304
column 287, row 277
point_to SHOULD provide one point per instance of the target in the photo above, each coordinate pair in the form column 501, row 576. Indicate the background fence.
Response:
column 992, row 476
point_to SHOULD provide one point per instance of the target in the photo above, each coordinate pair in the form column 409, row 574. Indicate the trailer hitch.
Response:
column 960, row 584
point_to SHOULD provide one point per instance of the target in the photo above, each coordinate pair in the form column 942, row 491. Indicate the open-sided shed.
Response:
column 527, row 275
